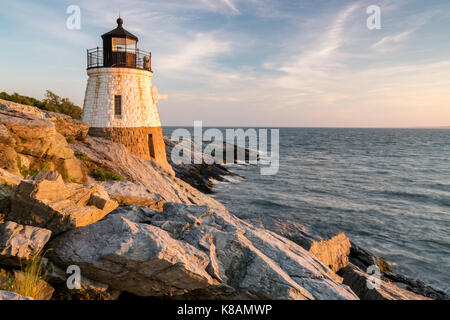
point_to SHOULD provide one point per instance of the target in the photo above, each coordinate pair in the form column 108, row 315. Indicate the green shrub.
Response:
column 103, row 175
column 31, row 171
column 81, row 155
column 52, row 102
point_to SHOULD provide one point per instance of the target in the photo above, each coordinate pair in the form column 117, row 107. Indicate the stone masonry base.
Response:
column 145, row 142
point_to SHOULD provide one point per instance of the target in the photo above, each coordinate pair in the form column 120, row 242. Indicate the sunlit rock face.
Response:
column 194, row 252
column 32, row 139
column 44, row 200
column 19, row 243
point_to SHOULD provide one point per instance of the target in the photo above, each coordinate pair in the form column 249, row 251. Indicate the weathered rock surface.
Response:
column 7, row 182
column 64, row 124
column 9, row 178
column 6, row 295
column 138, row 258
column 363, row 259
column 127, row 193
column 18, row 242
column 331, row 247
column 416, row 286
column 89, row 289
column 37, row 137
column 44, row 200
column 7, row 153
column 29, row 141
column 383, row 290
column 192, row 252
column 119, row 159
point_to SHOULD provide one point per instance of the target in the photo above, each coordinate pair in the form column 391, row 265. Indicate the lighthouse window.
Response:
column 117, row 105
column 118, row 44
column 131, row 46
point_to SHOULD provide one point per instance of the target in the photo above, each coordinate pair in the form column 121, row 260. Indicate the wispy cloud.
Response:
column 387, row 42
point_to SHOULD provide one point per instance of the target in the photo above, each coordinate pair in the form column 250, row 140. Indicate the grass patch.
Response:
column 81, row 155
column 70, row 140
column 104, row 175
column 31, row 171
column 30, row 280
column 98, row 171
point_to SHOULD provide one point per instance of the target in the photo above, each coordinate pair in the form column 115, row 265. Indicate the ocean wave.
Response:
column 269, row 203
column 439, row 200
column 227, row 180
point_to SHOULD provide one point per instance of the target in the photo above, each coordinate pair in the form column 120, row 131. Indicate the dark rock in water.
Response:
column 333, row 249
column 199, row 176
column 416, row 286
column 368, row 288
column 248, row 155
column 362, row 259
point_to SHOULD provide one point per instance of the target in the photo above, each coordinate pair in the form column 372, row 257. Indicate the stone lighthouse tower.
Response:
column 120, row 101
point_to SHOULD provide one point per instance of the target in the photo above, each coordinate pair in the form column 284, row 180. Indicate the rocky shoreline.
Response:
column 137, row 230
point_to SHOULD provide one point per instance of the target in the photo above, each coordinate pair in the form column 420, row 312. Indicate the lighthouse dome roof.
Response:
column 119, row 32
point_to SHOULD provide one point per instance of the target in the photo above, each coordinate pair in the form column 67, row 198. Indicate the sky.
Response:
column 266, row 63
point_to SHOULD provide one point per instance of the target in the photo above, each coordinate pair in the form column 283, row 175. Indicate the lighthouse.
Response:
column 120, row 101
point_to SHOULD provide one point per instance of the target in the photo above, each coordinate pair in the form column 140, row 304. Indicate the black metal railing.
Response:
column 129, row 58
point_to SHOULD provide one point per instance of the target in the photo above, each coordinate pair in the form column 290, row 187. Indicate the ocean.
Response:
column 387, row 189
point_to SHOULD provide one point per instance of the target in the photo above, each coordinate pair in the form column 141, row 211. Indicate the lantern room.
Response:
column 119, row 50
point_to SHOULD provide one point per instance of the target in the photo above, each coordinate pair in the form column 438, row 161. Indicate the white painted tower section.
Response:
column 135, row 88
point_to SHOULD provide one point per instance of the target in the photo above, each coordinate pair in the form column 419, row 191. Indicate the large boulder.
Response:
column 37, row 137
column 44, row 200
column 19, row 243
column 7, row 295
column 127, row 193
column 138, row 258
column 29, row 141
column 330, row 246
column 194, row 252
column 369, row 288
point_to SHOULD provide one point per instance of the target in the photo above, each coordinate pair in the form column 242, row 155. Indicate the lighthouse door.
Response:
column 151, row 147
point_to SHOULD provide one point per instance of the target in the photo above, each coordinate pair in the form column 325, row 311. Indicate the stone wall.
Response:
column 137, row 141
column 135, row 87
